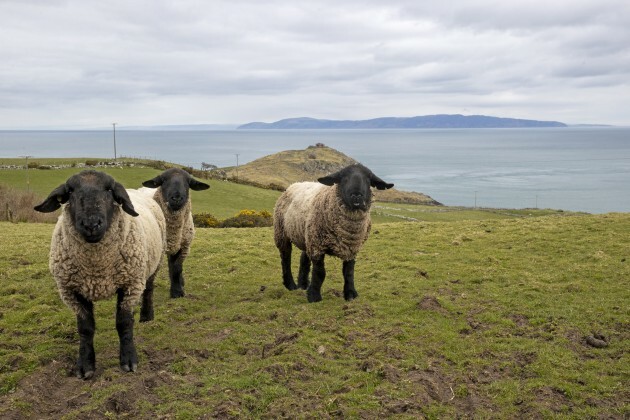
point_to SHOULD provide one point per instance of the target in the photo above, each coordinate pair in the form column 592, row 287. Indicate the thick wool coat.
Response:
column 129, row 253
column 313, row 217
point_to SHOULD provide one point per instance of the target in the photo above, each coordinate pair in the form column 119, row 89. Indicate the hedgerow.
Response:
column 244, row 219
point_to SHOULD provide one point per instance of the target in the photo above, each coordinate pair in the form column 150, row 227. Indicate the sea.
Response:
column 573, row 168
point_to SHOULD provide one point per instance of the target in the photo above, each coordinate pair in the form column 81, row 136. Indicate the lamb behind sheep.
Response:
column 331, row 217
column 173, row 197
column 107, row 241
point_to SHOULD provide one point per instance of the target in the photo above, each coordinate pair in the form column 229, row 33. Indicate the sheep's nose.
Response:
column 177, row 199
column 357, row 200
column 92, row 224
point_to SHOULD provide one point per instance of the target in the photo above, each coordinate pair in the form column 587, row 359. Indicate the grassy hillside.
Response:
column 485, row 319
column 225, row 199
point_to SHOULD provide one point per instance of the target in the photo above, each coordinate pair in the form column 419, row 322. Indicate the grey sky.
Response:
column 80, row 63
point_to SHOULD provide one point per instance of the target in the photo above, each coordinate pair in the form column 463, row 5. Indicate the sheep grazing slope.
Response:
column 173, row 197
column 107, row 241
column 331, row 217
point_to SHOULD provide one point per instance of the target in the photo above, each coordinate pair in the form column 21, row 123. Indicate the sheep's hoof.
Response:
column 129, row 368
column 146, row 317
column 81, row 374
column 129, row 360
column 290, row 286
column 350, row 294
column 313, row 296
column 84, row 368
column 177, row 294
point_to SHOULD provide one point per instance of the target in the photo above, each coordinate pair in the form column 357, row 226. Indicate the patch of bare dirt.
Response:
column 430, row 303
column 279, row 345
column 54, row 392
column 431, row 387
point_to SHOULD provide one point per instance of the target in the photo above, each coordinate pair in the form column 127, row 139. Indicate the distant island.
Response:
column 427, row 121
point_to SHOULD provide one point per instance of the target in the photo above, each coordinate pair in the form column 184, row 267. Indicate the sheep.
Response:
column 172, row 196
column 331, row 217
column 107, row 241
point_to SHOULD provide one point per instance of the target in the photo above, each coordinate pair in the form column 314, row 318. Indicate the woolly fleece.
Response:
column 313, row 217
column 128, row 254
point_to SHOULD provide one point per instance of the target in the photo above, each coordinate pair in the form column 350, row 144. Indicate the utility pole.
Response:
column 237, row 167
column 28, row 181
column 114, row 125
column 475, row 199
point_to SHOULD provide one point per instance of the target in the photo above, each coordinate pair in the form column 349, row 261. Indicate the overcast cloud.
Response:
column 80, row 64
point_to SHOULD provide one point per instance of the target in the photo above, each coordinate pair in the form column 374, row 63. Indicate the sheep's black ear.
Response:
column 327, row 180
column 122, row 198
column 56, row 198
column 197, row 185
column 379, row 183
column 331, row 179
column 153, row 183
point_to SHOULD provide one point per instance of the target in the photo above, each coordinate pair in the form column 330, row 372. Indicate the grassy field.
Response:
column 468, row 318
column 225, row 199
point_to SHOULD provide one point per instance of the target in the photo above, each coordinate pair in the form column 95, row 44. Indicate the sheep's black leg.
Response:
column 305, row 268
column 146, row 312
column 124, row 326
column 349, row 292
column 175, row 271
column 313, row 293
column 285, row 256
column 86, row 327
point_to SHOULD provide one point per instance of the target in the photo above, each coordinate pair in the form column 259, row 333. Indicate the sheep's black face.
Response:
column 354, row 190
column 91, row 204
column 92, row 197
column 175, row 185
column 175, row 190
column 353, row 185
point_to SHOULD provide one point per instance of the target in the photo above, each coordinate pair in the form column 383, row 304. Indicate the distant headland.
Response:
column 426, row 121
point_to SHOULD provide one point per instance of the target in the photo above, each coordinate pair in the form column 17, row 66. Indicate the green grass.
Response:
column 484, row 319
column 225, row 199
column 392, row 212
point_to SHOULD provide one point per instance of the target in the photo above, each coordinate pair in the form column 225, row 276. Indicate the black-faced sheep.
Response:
column 107, row 241
column 331, row 217
column 173, row 196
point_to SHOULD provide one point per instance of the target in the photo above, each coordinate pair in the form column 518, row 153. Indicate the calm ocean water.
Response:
column 582, row 169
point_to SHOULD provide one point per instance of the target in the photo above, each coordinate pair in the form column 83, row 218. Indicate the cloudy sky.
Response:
column 83, row 63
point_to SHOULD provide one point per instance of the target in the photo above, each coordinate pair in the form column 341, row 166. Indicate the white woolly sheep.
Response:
column 173, row 197
column 331, row 217
column 107, row 241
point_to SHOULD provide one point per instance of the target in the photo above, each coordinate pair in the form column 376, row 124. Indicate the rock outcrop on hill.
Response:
column 280, row 170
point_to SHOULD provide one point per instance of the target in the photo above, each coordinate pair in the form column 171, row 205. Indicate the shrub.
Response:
column 205, row 220
column 91, row 162
column 17, row 206
column 159, row 165
column 33, row 165
column 244, row 219
column 249, row 218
